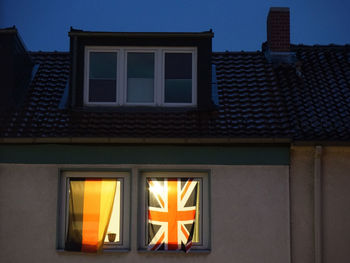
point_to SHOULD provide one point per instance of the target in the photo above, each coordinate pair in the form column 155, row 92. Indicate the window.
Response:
column 140, row 76
column 94, row 211
column 175, row 211
column 178, row 78
column 102, row 77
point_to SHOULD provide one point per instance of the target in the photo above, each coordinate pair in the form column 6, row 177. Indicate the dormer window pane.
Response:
column 140, row 77
column 102, row 77
column 178, row 78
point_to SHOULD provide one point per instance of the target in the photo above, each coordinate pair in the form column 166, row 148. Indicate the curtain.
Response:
column 90, row 208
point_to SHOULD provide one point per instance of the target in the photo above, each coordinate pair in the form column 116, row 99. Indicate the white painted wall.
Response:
column 335, row 205
column 249, row 216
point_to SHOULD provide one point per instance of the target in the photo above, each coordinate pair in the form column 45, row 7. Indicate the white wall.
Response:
column 302, row 205
column 249, row 216
column 335, row 205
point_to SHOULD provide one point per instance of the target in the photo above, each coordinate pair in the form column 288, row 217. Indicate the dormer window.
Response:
column 140, row 76
column 141, row 71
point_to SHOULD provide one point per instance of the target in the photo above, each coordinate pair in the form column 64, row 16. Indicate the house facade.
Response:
column 257, row 142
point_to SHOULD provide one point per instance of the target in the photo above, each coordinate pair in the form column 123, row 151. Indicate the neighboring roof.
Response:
column 318, row 97
column 257, row 99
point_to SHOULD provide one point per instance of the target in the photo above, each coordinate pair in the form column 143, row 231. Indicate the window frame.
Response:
column 87, row 74
column 194, row 76
column 159, row 74
column 124, row 90
column 204, row 228
column 125, row 198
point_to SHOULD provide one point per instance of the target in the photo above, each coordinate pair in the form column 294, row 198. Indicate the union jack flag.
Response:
column 171, row 213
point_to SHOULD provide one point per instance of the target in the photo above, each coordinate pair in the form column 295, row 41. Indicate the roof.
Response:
column 318, row 97
column 309, row 100
column 78, row 32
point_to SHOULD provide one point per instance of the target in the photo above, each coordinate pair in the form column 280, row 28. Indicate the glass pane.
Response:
column 102, row 77
column 140, row 65
column 140, row 90
column 178, row 65
column 102, row 90
column 140, row 87
column 178, row 78
column 103, row 65
column 178, row 90
column 113, row 230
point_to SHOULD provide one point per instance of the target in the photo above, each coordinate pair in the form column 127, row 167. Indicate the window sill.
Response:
column 105, row 251
column 192, row 251
column 135, row 109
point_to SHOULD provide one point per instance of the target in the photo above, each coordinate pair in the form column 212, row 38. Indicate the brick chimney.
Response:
column 278, row 29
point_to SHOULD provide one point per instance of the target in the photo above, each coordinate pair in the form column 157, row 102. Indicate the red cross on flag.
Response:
column 171, row 213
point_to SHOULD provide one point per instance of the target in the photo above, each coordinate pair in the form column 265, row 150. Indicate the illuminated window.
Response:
column 176, row 211
column 95, row 211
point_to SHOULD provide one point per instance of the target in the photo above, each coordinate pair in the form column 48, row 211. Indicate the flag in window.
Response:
column 171, row 213
column 90, row 208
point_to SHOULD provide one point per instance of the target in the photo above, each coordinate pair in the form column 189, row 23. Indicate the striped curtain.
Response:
column 90, row 208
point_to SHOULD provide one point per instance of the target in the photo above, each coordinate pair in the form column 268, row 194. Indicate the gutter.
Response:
column 322, row 143
column 141, row 140
column 109, row 140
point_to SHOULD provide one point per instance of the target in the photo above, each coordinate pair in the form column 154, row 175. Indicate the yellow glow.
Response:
column 114, row 222
column 157, row 189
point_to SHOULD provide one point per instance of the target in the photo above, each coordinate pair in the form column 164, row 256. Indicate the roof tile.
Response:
column 256, row 99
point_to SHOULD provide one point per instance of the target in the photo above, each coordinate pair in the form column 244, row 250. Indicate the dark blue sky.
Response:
column 237, row 24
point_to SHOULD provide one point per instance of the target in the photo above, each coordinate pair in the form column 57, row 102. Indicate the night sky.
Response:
column 237, row 24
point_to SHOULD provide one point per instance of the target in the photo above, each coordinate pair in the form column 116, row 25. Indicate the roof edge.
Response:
column 316, row 46
column 9, row 30
column 279, row 9
column 14, row 31
column 140, row 140
column 243, row 52
column 321, row 143
column 55, row 52
column 82, row 33
column 106, row 140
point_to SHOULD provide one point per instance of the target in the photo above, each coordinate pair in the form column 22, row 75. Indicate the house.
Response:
column 256, row 143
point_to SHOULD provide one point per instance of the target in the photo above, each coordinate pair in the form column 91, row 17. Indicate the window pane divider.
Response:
column 120, row 70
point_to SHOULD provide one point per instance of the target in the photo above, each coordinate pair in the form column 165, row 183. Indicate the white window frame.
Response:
column 87, row 74
column 124, row 89
column 63, row 208
column 159, row 74
column 204, row 219
column 194, row 75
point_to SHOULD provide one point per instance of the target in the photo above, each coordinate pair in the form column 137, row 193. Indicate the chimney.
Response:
column 278, row 29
